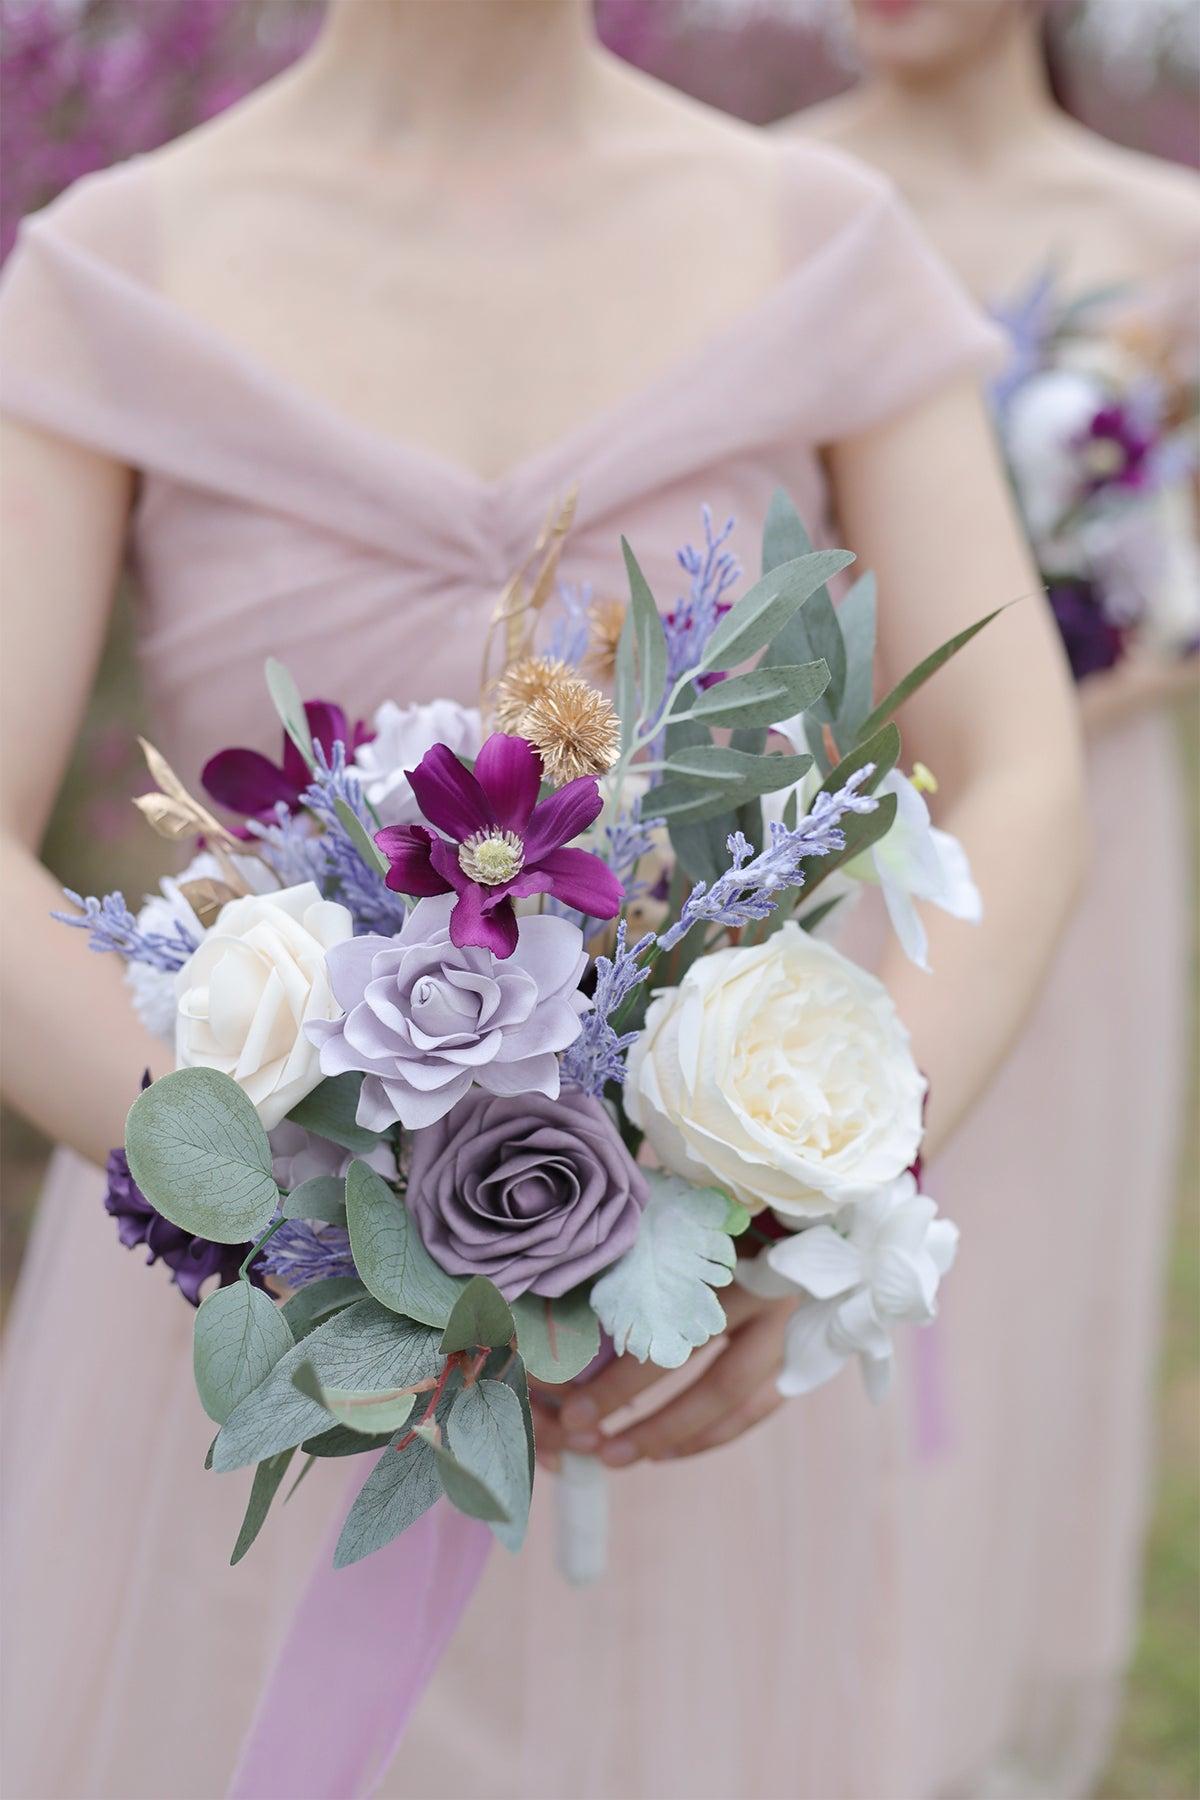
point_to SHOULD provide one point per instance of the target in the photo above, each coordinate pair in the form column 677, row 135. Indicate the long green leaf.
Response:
column 285, row 697
column 360, row 837
column 815, row 631
column 861, row 831
column 267, row 1479
column 196, row 1149
column 734, row 780
column 916, row 678
column 402, row 1485
column 651, row 640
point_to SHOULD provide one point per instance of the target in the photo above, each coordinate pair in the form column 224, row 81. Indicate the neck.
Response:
column 975, row 110
column 460, row 70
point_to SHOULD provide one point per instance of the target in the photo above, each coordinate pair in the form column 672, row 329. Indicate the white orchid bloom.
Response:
column 856, row 1284
column 916, row 861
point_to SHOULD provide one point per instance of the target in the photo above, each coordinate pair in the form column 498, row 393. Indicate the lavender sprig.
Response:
column 299, row 1253
column 571, row 636
column 746, row 892
column 292, row 848
column 627, row 839
column 374, row 906
column 713, row 571
column 112, row 927
column 598, row 1054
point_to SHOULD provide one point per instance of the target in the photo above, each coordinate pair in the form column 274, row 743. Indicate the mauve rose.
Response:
column 536, row 1194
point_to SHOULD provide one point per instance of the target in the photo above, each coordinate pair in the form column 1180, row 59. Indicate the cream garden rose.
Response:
column 781, row 1071
column 247, row 993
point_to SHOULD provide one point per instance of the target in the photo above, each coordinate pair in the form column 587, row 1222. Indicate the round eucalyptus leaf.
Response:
column 240, row 1335
column 198, row 1152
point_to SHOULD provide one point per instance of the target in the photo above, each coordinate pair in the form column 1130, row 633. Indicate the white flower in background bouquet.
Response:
column 419, row 1052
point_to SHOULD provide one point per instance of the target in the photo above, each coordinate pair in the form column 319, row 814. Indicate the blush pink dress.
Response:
column 829, row 1606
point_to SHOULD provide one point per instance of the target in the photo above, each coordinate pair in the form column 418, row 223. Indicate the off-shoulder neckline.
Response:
column 567, row 454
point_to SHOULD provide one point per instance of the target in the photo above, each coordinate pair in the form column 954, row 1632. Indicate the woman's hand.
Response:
column 735, row 1390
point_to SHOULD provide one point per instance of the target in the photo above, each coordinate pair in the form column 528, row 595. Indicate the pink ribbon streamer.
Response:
column 359, row 1654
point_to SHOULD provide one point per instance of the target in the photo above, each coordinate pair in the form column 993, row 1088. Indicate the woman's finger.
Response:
column 752, row 1412
column 748, row 1366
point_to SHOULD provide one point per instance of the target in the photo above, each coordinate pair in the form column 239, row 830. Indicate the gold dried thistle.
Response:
column 206, row 896
column 606, row 620
column 524, row 683
column 574, row 729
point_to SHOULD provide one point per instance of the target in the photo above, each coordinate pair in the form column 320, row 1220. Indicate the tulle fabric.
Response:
column 849, row 1602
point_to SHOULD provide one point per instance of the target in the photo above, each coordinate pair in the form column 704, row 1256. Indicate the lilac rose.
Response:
column 426, row 1018
column 536, row 1194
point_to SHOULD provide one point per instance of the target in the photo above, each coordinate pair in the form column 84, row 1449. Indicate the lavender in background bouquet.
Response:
column 419, row 1049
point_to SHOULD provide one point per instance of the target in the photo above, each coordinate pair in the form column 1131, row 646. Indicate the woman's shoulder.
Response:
column 1156, row 203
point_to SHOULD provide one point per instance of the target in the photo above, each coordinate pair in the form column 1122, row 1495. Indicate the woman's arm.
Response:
column 1139, row 683
column 73, row 1047
column 923, row 503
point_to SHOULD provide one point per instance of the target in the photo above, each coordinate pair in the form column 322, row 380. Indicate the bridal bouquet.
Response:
column 442, row 984
column 1101, row 450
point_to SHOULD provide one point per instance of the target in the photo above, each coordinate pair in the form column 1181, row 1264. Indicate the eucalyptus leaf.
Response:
column 625, row 680
column 239, row 1336
column 916, row 678
column 705, row 782
column 856, row 616
column 364, row 1348
column 485, row 1433
column 389, row 1254
column 651, row 640
column 307, row 1307
column 461, row 1486
column 266, row 1484
column 772, row 603
column 285, row 697
column 330, row 1112
column 700, row 846
column 761, row 697
column 402, row 1485
column 323, row 1197
column 365, row 1413
column 557, row 1338
column 784, row 536
column 657, row 1303
column 515, row 1377
column 197, row 1150
column 480, row 1316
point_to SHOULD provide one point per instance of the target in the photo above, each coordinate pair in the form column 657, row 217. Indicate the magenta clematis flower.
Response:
column 247, row 782
column 503, row 844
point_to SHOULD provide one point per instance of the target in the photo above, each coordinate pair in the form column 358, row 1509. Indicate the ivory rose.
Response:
column 247, row 993
column 781, row 1072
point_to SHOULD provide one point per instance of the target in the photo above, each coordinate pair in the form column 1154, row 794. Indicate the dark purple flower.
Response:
column 536, row 1194
column 247, row 782
column 1117, row 450
column 191, row 1260
column 1092, row 641
column 503, row 844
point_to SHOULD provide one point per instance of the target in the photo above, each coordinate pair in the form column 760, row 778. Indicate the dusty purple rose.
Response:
column 536, row 1194
column 426, row 1018
column 191, row 1260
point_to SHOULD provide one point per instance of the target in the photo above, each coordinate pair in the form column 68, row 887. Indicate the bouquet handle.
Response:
column 582, row 1534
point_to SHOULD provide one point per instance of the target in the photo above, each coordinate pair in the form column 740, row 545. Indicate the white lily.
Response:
column 881, row 1269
